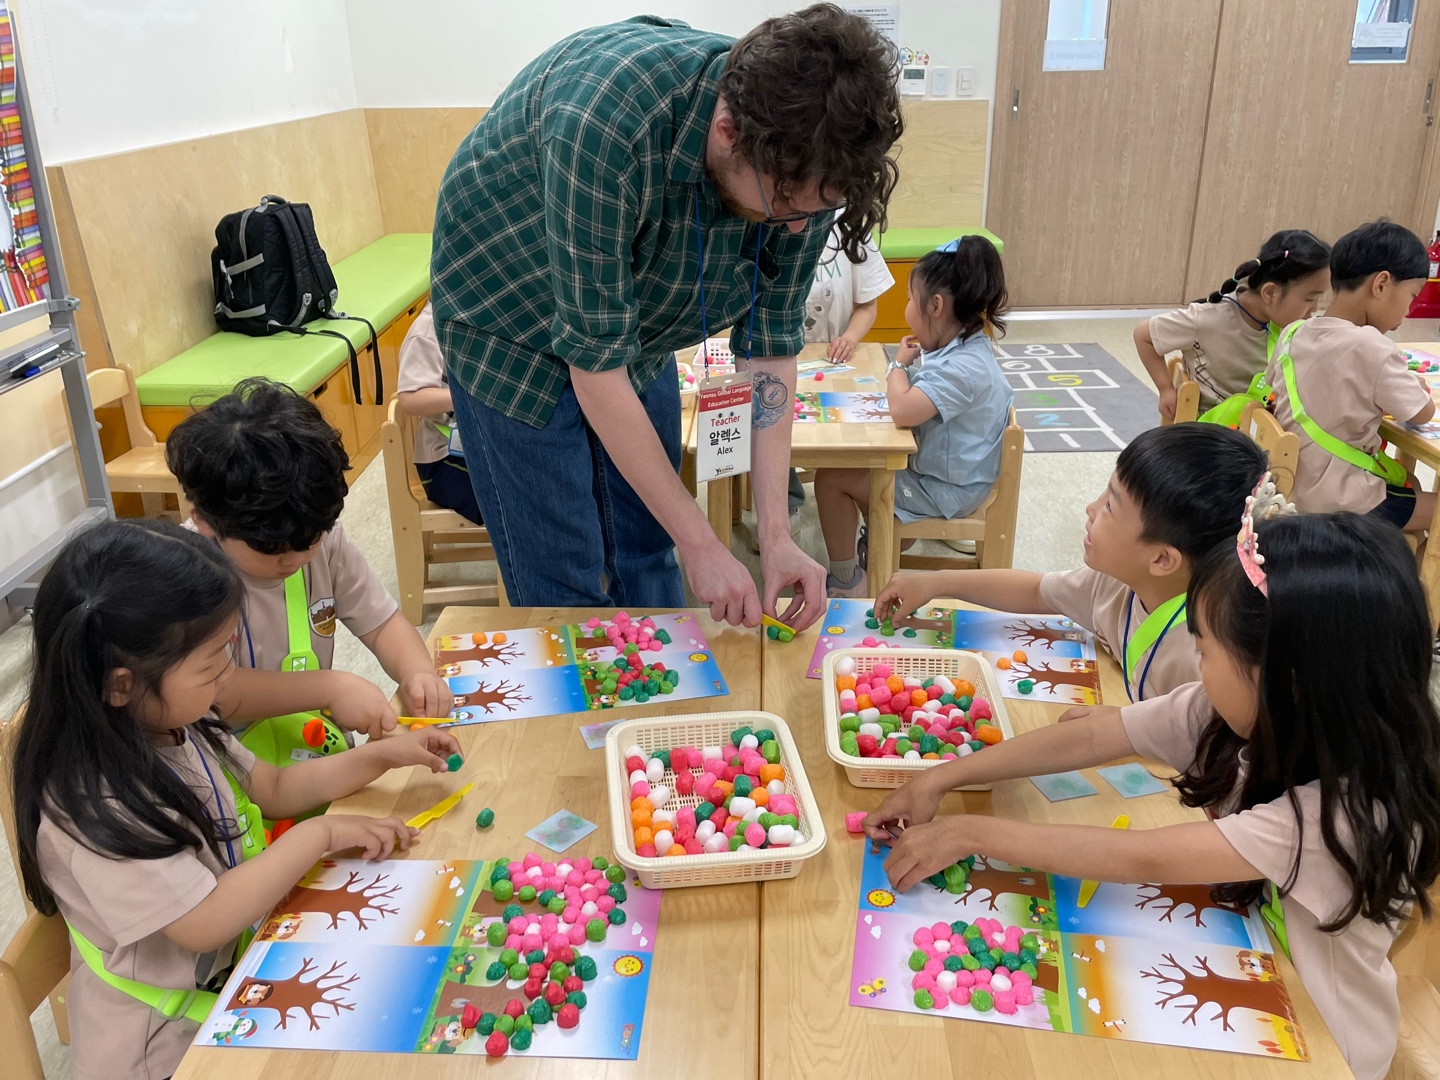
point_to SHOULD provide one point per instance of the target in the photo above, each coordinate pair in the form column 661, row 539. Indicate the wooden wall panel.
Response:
column 942, row 165
column 410, row 149
column 148, row 218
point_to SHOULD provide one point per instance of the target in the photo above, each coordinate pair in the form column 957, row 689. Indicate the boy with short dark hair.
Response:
column 265, row 476
column 1176, row 492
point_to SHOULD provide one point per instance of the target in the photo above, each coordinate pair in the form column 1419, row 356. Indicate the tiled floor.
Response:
column 1054, row 491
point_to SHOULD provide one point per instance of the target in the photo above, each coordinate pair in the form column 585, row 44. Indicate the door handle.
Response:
column 1429, row 98
column 1015, row 105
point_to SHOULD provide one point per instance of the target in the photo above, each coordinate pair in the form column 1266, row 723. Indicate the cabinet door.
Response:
column 333, row 397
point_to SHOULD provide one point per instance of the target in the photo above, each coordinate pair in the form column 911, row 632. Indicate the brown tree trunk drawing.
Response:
column 984, row 876
column 1047, row 973
column 1028, row 636
column 343, row 900
column 484, row 655
column 486, row 698
column 1208, row 987
column 454, row 996
column 1167, row 898
column 296, row 992
column 1087, row 677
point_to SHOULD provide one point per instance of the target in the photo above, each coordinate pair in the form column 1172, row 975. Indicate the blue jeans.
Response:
column 447, row 482
column 567, row 528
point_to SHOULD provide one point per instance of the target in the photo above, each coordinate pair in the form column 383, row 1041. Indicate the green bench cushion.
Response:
column 378, row 283
column 913, row 243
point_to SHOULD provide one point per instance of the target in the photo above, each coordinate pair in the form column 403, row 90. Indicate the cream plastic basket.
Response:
column 723, row 868
column 922, row 664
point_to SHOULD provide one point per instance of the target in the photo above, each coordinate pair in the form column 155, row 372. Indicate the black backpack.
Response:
column 271, row 276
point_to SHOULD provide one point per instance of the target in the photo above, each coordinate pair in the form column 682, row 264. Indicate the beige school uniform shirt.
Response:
column 1222, row 347
column 421, row 367
column 1099, row 603
column 1348, row 378
column 122, row 906
column 339, row 584
column 1347, row 974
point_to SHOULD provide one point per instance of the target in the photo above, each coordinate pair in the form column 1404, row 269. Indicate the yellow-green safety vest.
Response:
column 1229, row 412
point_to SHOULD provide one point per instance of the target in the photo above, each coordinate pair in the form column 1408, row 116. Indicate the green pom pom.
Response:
column 525, row 894
column 1030, row 941
column 704, row 812
column 910, row 631
column 872, row 624
column 495, row 972
column 1027, row 956
column 982, row 1000
column 502, row 890
column 616, row 916
column 509, row 957
column 504, row 1024
column 965, row 701
column 850, row 722
column 969, row 963
column 522, row 1023
column 453, row 762
column 546, row 896
column 787, row 635
column 663, row 636
column 535, row 956
column 767, row 819
column 923, row 1000
column 495, row 935
column 773, row 633
column 736, row 843
column 577, row 998
column 1032, row 970
column 485, row 818
column 641, row 697
column 1025, row 686
column 615, row 873
column 521, row 1039
column 764, row 735
column 959, row 926
column 626, row 693
column 585, row 968
column 903, row 746
column 556, row 905
column 519, row 972
column 667, row 687
column 559, row 971
column 1011, row 961
column 947, row 699
column 740, row 733
column 664, row 756
column 791, row 820
column 540, row 1012
column 487, row 1023
column 929, row 744
column 617, row 892
column 600, row 862
column 595, row 929
column 916, row 733
column 952, row 963
column 918, row 960
column 743, row 786
column 499, row 871
column 770, row 751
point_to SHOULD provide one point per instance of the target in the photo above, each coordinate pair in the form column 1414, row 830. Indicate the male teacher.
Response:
column 567, row 269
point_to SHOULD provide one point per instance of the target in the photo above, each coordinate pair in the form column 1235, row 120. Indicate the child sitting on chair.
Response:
column 956, row 399
column 424, row 392
column 265, row 476
column 1176, row 492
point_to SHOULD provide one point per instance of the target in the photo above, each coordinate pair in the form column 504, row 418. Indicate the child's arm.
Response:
column 862, row 318
column 249, row 891
column 354, row 704
column 283, row 793
column 402, row 653
column 1425, row 415
column 431, row 401
column 1004, row 590
column 909, row 405
column 1194, row 853
column 1157, row 369
column 1058, row 748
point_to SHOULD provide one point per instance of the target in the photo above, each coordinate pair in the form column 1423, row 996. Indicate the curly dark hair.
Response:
column 814, row 98
column 262, row 465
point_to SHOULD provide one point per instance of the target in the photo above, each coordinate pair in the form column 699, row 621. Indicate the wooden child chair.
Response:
column 426, row 534
column 1416, row 956
column 1282, row 446
column 142, row 468
column 992, row 527
column 35, row 962
column 1187, row 392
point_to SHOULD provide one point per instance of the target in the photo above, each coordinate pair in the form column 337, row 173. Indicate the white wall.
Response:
column 112, row 75
column 464, row 52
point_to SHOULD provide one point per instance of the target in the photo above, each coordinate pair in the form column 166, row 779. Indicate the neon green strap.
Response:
column 249, row 819
column 301, row 656
column 1146, row 634
column 1274, row 916
column 1381, row 465
column 194, row 1005
column 1272, row 335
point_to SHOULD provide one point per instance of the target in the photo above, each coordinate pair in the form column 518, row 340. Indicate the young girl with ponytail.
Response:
column 1226, row 339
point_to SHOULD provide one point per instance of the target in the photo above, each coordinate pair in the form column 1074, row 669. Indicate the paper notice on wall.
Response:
column 1384, row 35
column 884, row 17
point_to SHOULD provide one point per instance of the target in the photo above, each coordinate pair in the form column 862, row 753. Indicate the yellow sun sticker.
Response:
column 699, row 657
column 879, row 898
column 629, row 966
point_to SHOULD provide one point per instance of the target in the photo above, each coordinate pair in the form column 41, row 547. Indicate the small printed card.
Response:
column 1057, row 787
column 562, row 829
column 1132, row 780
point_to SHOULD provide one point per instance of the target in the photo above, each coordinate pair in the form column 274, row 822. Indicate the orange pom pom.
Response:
column 989, row 734
column 845, row 682
column 863, row 702
column 918, row 697
column 498, row 639
column 1019, row 656
column 895, row 684
column 644, row 835
column 676, row 850
column 641, row 802
column 964, row 688
column 1003, row 663
column 770, row 772
column 479, row 639
column 761, row 796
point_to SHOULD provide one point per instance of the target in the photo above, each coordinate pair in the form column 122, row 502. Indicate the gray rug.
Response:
column 1074, row 397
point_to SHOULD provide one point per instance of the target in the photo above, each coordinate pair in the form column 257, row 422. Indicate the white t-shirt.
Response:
column 839, row 286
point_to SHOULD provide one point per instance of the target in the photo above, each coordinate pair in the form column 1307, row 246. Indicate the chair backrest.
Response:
column 33, row 964
column 397, row 437
column 9, row 732
column 1282, row 446
column 1002, row 514
column 109, row 385
column 1187, row 392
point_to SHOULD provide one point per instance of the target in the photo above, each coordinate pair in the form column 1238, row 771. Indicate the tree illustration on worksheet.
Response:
column 873, row 413
column 1083, row 675
column 504, row 695
column 483, row 653
column 287, row 995
column 1262, row 993
column 1168, row 898
column 987, row 878
column 342, row 900
column 1027, row 636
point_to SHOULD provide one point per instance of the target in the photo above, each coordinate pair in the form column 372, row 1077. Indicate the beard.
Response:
column 725, row 186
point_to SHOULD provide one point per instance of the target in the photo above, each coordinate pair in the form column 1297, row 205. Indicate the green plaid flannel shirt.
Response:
column 565, row 233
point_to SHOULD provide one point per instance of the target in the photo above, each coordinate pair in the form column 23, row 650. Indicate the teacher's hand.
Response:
column 788, row 569
column 721, row 582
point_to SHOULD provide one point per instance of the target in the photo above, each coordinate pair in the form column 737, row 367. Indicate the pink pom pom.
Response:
column 941, row 931
column 558, row 941
column 755, row 834
column 514, row 941
column 533, row 940
column 547, row 869
column 587, row 894
column 783, row 804
column 583, row 864
column 1005, row 1003
column 572, row 912
column 881, row 671
column 870, row 643
column 960, row 995
column 852, row 821
column 730, row 826
column 923, row 936
column 593, row 622
column 1019, row 979
column 685, row 818
column 1024, row 995
column 964, row 978
column 549, row 921
column 939, row 998
column 720, row 816
column 923, row 980
column 694, row 847
column 577, row 932
column 934, row 965
column 605, row 903
column 980, row 709
column 530, row 859
column 684, row 782
column 982, row 977
column 645, row 851
column 518, row 925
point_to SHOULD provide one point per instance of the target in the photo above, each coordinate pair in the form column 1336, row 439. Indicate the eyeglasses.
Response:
column 784, row 219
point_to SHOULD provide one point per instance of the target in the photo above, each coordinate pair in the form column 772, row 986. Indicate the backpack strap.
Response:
column 284, row 216
column 349, row 347
column 374, row 348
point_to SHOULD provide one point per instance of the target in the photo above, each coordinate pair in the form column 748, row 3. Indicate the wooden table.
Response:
column 883, row 449
column 703, row 1004
column 1412, row 448
column 807, row 1026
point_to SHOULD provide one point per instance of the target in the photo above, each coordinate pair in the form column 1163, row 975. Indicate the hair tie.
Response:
column 1262, row 504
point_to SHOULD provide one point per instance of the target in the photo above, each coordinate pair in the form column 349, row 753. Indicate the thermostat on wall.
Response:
column 912, row 80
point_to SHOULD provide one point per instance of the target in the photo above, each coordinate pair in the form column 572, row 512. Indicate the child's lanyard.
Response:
column 1148, row 637
column 700, row 275
column 219, row 806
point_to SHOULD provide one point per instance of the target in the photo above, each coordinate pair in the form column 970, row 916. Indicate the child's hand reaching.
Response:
column 904, row 594
column 909, row 350
column 424, row 693
column 426, row 746
column 913, row 804
column 375, row 838
column 1088, row 712
column 358, row 705
column 924, row 850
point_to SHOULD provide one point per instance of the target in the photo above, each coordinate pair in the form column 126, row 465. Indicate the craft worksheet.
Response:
column 1142, row 963
column 386, row 957
column 1054, row 655
column 549, row 670
column 828, row 407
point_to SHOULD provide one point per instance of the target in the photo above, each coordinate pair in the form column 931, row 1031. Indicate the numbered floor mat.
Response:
column 1074, row 397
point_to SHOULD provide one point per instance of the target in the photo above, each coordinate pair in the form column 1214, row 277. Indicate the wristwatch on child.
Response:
column 893, row 365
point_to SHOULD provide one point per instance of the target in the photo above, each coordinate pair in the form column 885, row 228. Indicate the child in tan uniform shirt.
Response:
column 1326, row 638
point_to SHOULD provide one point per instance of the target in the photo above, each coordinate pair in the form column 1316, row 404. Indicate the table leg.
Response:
column 881, row 527
column 1430, row 565
column 718, row 494
column 687, row 472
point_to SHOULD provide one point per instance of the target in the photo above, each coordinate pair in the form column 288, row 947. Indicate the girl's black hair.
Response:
column 1342, row 647
column 973, row 277
column 1287, row 256
column 135, row 594
column 1375, row 246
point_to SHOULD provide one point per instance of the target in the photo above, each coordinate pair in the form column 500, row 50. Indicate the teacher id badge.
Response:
column 722, row 439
